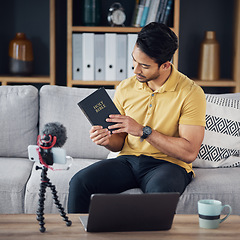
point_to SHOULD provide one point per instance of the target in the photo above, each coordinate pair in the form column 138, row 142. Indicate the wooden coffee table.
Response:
column 25, row 226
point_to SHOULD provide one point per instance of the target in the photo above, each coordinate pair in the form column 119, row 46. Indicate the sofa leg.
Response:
column 45, row 182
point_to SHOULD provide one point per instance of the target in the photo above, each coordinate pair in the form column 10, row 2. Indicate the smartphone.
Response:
column 59, row 154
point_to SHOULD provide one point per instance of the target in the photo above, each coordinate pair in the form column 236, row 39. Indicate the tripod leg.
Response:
column 40, row 211
column 59, row 205
column 45, row 182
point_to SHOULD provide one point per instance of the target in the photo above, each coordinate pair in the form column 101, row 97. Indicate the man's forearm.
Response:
column 176, row 147
column 116, row 142
column 185, row 147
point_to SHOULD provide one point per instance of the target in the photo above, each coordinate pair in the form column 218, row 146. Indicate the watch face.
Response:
column 147, row 130
column 118, row 17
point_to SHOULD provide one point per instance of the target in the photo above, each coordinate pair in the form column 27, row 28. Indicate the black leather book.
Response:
column 97, row 107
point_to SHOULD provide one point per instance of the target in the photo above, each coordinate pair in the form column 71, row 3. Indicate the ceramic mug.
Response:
column 209, row 211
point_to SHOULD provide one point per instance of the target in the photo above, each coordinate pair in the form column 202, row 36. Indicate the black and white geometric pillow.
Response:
column 221, row 144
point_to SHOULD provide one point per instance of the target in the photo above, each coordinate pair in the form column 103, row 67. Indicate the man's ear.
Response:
column 166, row 65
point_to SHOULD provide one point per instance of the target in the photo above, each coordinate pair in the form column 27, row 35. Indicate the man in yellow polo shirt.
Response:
column 159, row 131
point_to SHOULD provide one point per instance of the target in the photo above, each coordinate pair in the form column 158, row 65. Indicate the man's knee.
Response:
column 158, row 188
column 166, row 185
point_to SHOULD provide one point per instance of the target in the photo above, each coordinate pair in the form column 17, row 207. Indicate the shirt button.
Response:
column 150, row 105
column 152, row 94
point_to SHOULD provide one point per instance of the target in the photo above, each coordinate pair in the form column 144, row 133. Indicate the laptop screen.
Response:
column 131, row 212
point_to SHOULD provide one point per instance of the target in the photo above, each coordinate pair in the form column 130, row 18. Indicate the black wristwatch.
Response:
column 146, row 132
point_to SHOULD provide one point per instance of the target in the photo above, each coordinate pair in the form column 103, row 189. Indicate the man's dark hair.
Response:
column 157, row 41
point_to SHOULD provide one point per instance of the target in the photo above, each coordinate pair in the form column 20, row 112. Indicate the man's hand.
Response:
column 99, row 135
column 103, row 137
column 125, row 124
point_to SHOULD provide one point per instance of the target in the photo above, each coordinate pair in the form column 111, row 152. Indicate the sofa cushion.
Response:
column 14, row 174
column 220, row 147
column 60, row 104
column 58, row 178
column 18, row 119
column 219, row 183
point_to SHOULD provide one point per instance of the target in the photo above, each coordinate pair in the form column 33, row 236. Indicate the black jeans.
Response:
column 123, row 173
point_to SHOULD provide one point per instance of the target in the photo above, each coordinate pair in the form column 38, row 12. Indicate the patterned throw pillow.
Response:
column 221, row 144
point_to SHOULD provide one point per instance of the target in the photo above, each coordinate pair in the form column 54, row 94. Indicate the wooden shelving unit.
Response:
column 233, row 83
column 219, row 83
column 71, row 29
column 6, row 79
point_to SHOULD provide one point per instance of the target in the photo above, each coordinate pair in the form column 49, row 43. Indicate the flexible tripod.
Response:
column 45, row 182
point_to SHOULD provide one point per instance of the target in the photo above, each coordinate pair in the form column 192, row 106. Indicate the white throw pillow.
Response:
column 112, row 155
column 221, row 144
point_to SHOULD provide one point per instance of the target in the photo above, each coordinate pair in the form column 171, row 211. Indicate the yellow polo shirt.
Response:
column 178, row 101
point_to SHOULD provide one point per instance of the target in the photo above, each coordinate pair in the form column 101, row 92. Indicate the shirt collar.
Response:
column 169, row 86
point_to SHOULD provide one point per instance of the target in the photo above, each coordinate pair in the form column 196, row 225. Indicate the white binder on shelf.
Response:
column 77, row 56
column 152, row 11
column 110, row 56
column 99, row 51
column 132, row 37
column 88, row 56
column 121, row 57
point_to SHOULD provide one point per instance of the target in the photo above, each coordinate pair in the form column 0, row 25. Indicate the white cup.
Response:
column 209, row 211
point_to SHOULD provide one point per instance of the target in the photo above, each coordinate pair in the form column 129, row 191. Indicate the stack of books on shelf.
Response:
column 147, row 11
column 102, row 56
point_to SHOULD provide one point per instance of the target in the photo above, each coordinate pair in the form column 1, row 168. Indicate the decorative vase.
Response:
column 209, row 60
column 20, row 55
column 91, row 13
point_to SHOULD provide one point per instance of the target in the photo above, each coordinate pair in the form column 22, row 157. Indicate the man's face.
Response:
column 145, row 68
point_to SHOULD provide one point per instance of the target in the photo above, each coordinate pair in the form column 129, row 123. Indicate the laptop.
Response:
column 130, row 212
